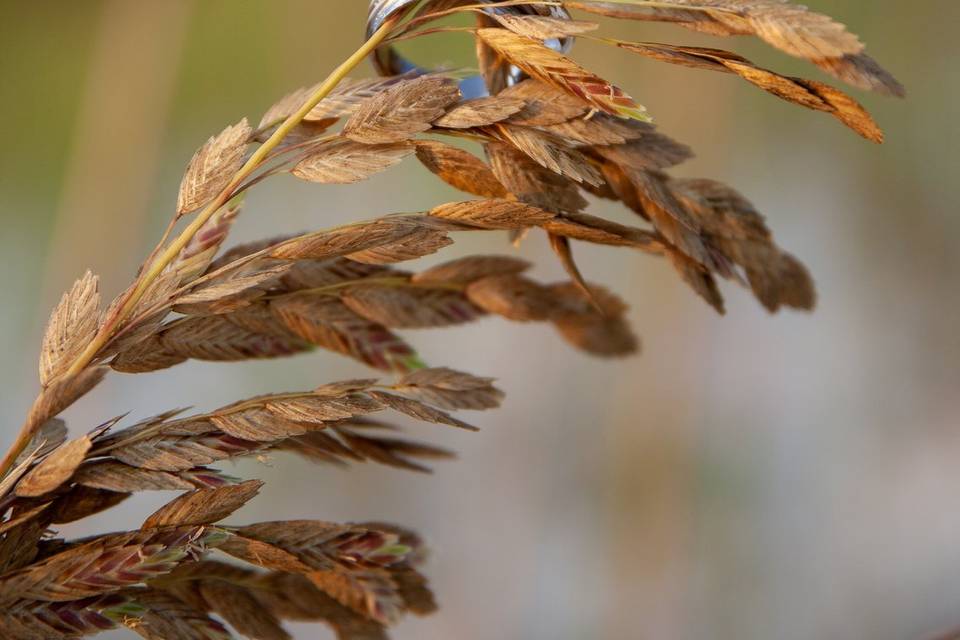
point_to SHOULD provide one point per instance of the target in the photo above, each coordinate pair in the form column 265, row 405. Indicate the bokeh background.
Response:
column 747, row 476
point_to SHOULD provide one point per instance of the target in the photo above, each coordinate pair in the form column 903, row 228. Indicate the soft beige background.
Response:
column 747, row 477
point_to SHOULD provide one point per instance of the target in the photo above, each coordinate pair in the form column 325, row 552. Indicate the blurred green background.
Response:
column 747, row 477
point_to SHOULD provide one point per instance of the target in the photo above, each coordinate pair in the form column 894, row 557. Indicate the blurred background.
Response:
column 747, row 476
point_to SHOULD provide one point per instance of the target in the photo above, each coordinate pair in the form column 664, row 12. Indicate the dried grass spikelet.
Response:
column 558, row 70
column 806, row 93
column 213, row 166
column 402, row 111
column 342, row 161
column 529, row 154
column 71, row 326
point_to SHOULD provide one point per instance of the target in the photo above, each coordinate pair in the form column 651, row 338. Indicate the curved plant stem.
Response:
column 173, row 249
column 161, row 259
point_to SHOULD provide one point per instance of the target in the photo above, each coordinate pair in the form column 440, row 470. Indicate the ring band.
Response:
column 388, row 62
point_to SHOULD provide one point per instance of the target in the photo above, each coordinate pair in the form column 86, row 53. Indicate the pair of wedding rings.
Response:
column 389, row 62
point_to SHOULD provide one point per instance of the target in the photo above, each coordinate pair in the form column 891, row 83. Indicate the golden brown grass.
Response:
column 550, row 139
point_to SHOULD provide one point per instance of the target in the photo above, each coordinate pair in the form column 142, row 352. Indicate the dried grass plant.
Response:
column 549, row 139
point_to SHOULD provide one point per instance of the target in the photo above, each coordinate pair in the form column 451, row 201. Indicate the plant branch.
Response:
column 255, row 160
column 162, row 259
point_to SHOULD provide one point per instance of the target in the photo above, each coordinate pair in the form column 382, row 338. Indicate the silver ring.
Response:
column 388, row 62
